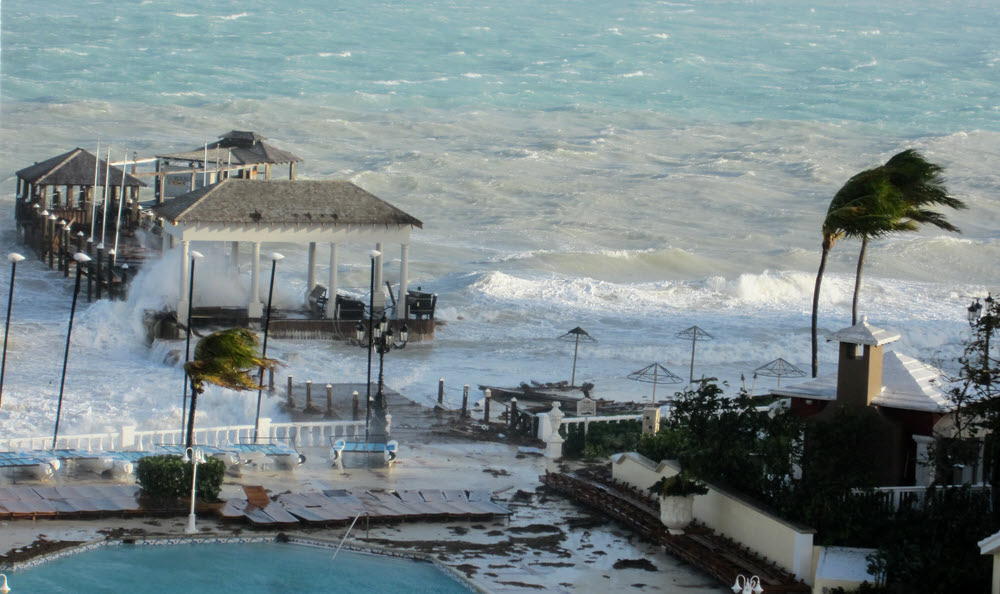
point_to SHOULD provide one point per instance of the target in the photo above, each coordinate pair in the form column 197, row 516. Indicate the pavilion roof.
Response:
column 75, row 168
column 283, row 202
column 239, row 148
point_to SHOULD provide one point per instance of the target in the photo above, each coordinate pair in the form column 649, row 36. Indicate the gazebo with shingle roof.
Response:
column 286, row 211
column 72, row 169
column 236, row 154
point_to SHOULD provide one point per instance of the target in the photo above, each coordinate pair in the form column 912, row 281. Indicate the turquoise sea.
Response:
column 634, row 168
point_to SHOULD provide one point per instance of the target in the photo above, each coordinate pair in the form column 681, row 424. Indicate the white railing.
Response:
column 545, row 425
column 917, row 496
column 298, row 434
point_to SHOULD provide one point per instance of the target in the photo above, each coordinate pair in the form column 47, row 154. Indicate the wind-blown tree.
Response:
column 915, row 184
column 852, row 213
column 228, row 358
column 891, row 198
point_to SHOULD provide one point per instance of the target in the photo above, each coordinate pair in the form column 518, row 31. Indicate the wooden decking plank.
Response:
column 440, row 504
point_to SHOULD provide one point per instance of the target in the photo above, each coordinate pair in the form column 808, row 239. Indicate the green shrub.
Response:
column 169, row 477
column 601, row 439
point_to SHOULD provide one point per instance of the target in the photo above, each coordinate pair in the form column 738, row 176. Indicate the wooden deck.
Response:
column 288, row 510
column 717, row 555
column 69, row 502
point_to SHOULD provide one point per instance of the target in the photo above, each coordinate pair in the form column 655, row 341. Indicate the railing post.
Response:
column 270, row 380
column 486, row 406
column 356, row 409
column 329, row 401
column 441, row 392
column 127, row 437
column 309, row 397
column 291, row 402
column 264, row 428
column 512, row 413
column 465, row 401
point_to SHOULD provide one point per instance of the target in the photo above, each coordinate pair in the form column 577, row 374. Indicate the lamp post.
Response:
column 196, row 457
column 275, row 256
column 13, row 258
column 4, row 589
column 380, row 336
column 743, row 585
column 81, row 259
column 374, row 254
column 195, row 256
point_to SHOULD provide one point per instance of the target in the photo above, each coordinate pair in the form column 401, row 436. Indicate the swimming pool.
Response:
column 230, row 568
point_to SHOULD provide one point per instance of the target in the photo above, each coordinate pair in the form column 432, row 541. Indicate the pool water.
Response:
column 235, row 568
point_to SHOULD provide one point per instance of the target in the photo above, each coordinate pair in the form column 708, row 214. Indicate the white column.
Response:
column 379, row 294
column 404, row 270
column 182, row 303
column 312, row 267
column 331, row 303
column 234, row 257
column 256, row 308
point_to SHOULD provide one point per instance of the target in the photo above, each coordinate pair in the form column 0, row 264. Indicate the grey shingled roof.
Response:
column 283, row 202
column 74, row 168
column 243, row 148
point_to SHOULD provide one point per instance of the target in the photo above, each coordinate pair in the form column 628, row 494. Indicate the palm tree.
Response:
column 890, row 198
column 916, row 184
column 228, row 358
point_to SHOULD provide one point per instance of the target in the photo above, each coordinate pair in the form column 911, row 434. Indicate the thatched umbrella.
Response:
column 576, row 335
column 655, row 374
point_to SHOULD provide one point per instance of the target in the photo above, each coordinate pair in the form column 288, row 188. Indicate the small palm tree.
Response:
column 228, row 358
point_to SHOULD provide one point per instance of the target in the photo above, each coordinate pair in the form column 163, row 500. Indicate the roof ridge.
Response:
column 69, row 157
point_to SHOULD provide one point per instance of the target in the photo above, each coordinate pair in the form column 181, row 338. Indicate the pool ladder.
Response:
column 348, row 533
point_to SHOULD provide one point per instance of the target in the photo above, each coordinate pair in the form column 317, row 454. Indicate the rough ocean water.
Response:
column 631, row 168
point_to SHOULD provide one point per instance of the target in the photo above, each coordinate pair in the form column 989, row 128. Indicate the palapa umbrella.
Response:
column 576, row 335
column 778, row 368
column 694, row 333
column 655, row 374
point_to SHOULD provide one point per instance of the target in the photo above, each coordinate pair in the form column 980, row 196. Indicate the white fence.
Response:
column 300, row 434
column 917, row 496
column 545, row 425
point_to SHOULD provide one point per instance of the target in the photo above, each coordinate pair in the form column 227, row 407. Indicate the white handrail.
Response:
column 296, row 434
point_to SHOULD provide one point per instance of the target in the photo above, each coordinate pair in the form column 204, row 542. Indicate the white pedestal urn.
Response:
column 676, row 512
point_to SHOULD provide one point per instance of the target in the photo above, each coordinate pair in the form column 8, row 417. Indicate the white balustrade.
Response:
column 298, row 434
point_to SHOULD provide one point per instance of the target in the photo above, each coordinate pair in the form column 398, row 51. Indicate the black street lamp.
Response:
column 13, row 258
column 195, row 256
column 374, row 254
column 978, row 323
column 81, row 259
column 380, row 336
column 275, row 256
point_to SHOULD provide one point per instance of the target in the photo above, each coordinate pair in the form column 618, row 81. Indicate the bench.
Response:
column 389, row 450
column 350, row 309
column 421, row 305
column 317, row 300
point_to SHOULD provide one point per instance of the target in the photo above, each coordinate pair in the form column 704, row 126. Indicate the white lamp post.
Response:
column 196, row 457
column 747, row 586
column 3, row 585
